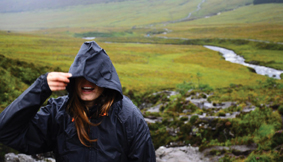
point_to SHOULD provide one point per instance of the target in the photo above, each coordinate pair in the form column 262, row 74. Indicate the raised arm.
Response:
column 21, row 125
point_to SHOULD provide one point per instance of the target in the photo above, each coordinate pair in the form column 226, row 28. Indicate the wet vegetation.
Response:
column 181, row 122
column 16, row 76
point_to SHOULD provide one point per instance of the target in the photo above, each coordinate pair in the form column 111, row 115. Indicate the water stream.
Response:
column 190, row 14
column 231, row 56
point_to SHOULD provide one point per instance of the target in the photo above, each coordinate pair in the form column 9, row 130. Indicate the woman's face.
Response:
column 87, row 91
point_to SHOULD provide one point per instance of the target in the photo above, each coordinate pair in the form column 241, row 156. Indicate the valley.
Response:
column 198, row 101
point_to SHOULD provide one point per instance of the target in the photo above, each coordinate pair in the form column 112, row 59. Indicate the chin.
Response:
column 88, row 99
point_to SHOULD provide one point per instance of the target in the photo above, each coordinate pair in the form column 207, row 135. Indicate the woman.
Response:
column 94, row 122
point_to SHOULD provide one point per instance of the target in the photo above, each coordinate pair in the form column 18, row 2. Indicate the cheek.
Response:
column 77, row 87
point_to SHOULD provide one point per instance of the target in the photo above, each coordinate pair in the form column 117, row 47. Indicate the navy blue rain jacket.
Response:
column 122, row 136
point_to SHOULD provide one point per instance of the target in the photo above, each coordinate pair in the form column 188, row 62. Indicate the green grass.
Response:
column 215, row 6
column 265, row 54
column 39, row 49
column 267, row 13
column 143, row 67
column 269, row 58
column 262, row 22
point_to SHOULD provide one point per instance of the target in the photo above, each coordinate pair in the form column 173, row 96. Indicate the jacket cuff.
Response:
column 45, row 90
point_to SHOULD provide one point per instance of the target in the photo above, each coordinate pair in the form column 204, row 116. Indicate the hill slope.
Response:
column 112, row 14
column 30, row 5
column 262, row 22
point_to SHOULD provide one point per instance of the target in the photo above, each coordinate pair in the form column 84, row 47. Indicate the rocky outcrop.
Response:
column 179, row 154
column 216, row 152
column 165, row 154
column 11, row 157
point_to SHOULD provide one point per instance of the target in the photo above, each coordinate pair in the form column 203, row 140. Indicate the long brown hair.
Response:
column 79, row 113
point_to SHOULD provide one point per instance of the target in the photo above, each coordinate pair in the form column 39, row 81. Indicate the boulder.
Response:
column 179, row 154
column 11, row 157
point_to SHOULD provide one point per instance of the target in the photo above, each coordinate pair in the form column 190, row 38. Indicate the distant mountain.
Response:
column 30, row 5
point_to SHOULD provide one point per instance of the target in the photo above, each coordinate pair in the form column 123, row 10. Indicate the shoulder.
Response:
column 129, row 110
column 133, row 121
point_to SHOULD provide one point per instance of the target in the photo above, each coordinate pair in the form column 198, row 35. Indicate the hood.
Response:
column 94, row 64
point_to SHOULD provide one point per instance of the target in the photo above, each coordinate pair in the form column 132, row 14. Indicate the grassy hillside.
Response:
column 265, row 13
column 128, row 13
column 29, row 5
column 113, row 14
column 212, row 7
column 262, row 22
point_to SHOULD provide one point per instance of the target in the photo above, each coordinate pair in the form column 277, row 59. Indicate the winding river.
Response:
column 231, row 56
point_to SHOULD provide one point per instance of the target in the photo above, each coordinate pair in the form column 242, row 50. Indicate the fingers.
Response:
column 58, row 81
column 61, row 77
column 57, row 84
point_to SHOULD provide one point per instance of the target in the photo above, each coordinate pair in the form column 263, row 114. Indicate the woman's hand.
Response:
column 57, row 81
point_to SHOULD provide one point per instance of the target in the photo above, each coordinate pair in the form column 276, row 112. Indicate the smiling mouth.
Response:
column 87, row 89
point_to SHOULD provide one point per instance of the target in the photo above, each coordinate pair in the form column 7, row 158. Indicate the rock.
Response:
column 203, row 103
column 25, row 158
column 163, row 154
column 154, row 109
column 172, row 131
column 179, row 154
column 227, row 116
column 11, row 157
column 150, row 120
column 235, row 149
column 145, row 105
column 208, row 105
column 254, row 62
column 251, row 70
column 249, row 109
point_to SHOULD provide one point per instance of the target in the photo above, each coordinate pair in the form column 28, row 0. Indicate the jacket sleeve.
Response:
column 140, row 145
column 22, row 127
